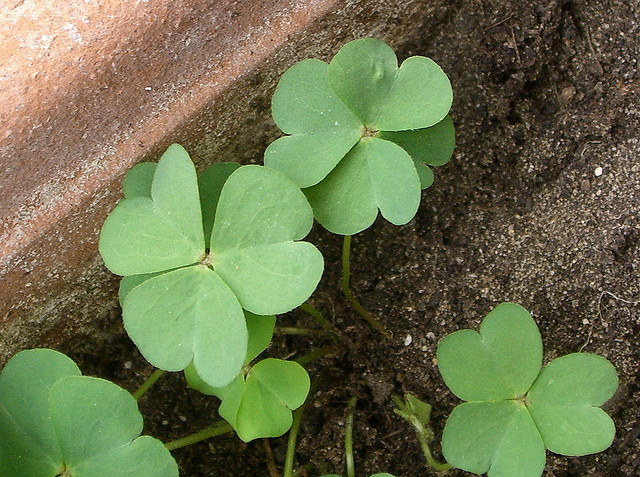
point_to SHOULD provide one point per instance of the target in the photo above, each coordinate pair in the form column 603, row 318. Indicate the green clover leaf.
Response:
column 365, row 76
column 320, row 126
column 514, row 410
column 260, row 404
column 161, row 232
column 565, row 404
column 56, row 422
column 361, row 132
column 183, row 303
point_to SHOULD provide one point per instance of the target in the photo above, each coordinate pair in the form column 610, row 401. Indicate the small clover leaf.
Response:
column 320, row 126
column 361, row 132
column 564, row 403
column 146, row 235
column 182, row 305
column 255, row 245
column 260, row 404
column 500, row 362
column 375, row 174
column 515, row 410
column 56, row 422
column 365, row 76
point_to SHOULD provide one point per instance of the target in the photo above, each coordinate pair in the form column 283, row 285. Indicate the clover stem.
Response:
column 348, row 438
column 293, row 434
column 221, row 427
column 319, row 353
column 150, row 381
column 292, row 330
column 424, row 436
column 355, row 304
column 320, row 319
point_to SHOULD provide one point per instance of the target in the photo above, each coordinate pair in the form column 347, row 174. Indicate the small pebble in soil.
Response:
column 407, row 340
column 182, row 418
column 598, row 171
column 585, row 321
column 431, row 335
column 128, row 364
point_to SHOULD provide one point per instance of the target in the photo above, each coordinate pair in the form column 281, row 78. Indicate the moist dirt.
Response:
column 540, row 205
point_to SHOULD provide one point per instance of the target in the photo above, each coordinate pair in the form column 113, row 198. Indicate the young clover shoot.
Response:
column 57, row 423
column 259, row 402
column 187, row 280
column 361, row 133
column 418, row 414
column 514, row 410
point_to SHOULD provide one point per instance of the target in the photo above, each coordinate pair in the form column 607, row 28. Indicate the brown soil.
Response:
column 539, row 205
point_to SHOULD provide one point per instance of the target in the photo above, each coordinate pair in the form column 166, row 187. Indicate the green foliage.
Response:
column 361, row 131
column 417, row 412
column 56, row 422
column 195, row 252
column 259, row 403
column 515, row 410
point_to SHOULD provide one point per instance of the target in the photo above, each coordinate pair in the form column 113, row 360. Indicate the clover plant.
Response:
column 190, row 279
column 514, row 410
column 207, row 262
column 56, row 422
column 418, row 414
column 361, row 133
column 258, row 403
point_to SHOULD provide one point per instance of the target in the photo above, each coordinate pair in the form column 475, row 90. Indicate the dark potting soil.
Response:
column 540, row 205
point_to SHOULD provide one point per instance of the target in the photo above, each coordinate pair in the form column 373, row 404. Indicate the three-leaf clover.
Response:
column 258, row 403
column 56, row 422
column 513, row 410
column 361, row 131
column 191, row 280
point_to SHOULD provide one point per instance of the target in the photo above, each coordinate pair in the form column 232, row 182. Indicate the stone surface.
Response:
column 87, row 89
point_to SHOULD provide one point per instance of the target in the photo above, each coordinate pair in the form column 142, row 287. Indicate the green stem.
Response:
column 222, row 427
column 435, row 465
column 424, row 436
column 355, row 304
column 293, row 434
column 348, row 438
column 319, row 353
column 291, row 330
column 147, row 384
column 320, row 319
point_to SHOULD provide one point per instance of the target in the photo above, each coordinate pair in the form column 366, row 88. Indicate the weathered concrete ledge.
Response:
column 88, row 89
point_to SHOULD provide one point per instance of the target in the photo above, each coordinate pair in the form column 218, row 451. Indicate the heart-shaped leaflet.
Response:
column 193, row 313
column 348, row 123
column 514, row 410
column 56, row 422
